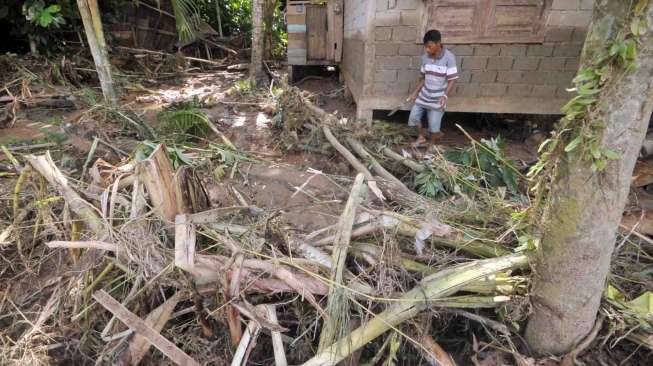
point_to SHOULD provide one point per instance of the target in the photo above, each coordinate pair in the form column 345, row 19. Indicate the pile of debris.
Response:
column 207, row 255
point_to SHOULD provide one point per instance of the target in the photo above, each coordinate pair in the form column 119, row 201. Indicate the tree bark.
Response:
column 585, row 208
column 219, row 17
column 256, row 66
column 90, row 14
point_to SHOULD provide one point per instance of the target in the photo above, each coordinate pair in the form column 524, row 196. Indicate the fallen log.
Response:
column 371, row 181
column 405, row 161
column 337, row 304
column 378, row 168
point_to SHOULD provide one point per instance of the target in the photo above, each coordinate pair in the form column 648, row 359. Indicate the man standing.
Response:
column 438, row 74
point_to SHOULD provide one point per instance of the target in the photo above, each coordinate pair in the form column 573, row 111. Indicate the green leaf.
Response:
column 613, row 294
column 45, row 19
column 634, row 26
column 595, row 151
column 584, row 75
column 643, row 305
column 573, row 144
column 632, row 67
column 53, row 9
column 610, row 154
column 614, row 49
column 600, row 164
column 631, row 50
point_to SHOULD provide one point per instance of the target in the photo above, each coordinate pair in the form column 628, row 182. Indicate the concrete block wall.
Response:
column 354, row 19
column 515, row 72
column 355, row 22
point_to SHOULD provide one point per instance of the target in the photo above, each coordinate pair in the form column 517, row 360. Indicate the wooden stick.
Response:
column 140, row 327
column 378, row 168
column 138, row 50
column 277, row 342
column 371, row 181
column 157, row 319
column 437, row 355
column 406, row 161
column 251, row 332
column 184, row 243
column 84, row 245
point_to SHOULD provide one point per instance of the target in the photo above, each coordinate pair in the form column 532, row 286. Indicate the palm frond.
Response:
column 187, row 16
column 187, row 121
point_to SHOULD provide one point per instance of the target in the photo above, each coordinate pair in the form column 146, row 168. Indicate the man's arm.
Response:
column 443, row 100
column 413, row 96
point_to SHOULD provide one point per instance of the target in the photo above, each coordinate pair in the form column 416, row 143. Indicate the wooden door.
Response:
column 316, row 27
column 335, row 10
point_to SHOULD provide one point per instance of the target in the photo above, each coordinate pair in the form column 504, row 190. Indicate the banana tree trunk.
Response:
column 90, row 13
column 585, row 208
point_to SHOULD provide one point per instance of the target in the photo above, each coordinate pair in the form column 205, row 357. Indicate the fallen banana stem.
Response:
column 436, row 286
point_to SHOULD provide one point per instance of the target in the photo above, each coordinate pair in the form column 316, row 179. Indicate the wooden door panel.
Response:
column 316, row 27
column 455, row 19
column 487, row 21
column 510, row 19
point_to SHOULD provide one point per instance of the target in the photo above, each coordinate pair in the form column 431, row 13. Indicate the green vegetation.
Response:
column 483, row 164
column 185, row 119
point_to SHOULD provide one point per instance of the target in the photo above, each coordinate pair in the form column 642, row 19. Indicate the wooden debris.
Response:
column 371, row 181
column 92, row 244
column 141, row 327
column 412, row 303
column 184, row 243
column 378, row 168
column 277, row 342
column 432, row 352
column 337, row 304
column 156, row 319
column 247, row 342
column 46, row 167
column 642, row 175
column 406, row 161
column 640, row 221
column 157, row 175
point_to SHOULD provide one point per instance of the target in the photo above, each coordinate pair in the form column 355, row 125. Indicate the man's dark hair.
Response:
column 432, row 36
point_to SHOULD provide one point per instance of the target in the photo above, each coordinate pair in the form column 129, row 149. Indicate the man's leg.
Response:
column 435, row 122
column 415, row 119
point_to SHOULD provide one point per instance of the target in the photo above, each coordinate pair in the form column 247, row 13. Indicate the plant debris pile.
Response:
column 181, row 248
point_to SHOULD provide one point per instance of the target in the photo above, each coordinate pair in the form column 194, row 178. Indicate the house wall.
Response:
column 495, row 78
column 356, row 25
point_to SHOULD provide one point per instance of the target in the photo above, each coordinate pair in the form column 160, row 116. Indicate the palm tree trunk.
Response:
column 90, row 14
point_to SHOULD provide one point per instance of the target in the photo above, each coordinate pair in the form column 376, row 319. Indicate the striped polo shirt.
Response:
column 437, row 73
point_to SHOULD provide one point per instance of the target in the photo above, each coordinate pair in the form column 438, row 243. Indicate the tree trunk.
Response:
column 90, row 14
column 256, row 67
column 585, row 207
column 217, row 15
